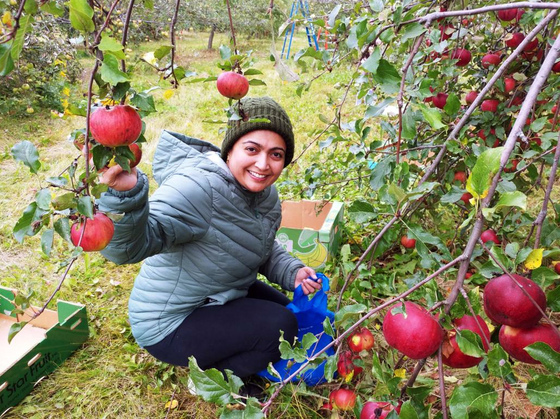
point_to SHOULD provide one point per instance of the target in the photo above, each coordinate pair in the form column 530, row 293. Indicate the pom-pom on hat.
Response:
column 259, row 109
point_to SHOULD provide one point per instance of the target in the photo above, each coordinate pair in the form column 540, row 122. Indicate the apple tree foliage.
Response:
column 391, row 152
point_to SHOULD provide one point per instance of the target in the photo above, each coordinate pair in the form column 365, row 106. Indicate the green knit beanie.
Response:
column 260, row 108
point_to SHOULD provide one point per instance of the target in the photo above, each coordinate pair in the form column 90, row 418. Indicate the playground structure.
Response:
column 302, row 7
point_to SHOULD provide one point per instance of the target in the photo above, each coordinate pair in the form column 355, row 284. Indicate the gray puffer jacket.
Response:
column 203, row 236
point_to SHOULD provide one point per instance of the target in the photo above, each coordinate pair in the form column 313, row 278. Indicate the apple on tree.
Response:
column 408, row 242
column 452, row 355
column 490, row 235
column 342, row 399
column 513, row 40
column 232, row 85
column 490, row 105
column 466, row 198
column 412, row 330
column 557, row 267
column 345, row 364
column 471, row 96
column 462, row 55
column 507, row 14
column 491, row 59
column 515, row 340
column 506, row 302
column 440, row 100
column 97, row 235
column 114, row 126
column 378, row 410
column 361, row 340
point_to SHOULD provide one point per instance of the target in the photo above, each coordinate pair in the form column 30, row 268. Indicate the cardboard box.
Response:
column 311, row 230
column 39, row 348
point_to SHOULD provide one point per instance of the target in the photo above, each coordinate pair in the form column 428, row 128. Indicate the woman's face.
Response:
column 256, row 160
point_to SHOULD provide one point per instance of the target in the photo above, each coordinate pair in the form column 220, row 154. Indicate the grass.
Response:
column 111, row 377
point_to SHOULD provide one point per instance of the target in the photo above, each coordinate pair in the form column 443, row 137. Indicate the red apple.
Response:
column 462, row 55
column 489, row 235
column 378, row 410
column 515, row 340
column 507, row 15
column 345, row 365
column 532, row 45
column 491, row 59
column 416, row 334
column 114, row 126
column 490, row 105
column 98, row 232
column 361, row 340
column 440, row 100
column 408, row 243
column 520, row 13
column 460, row 176
column 556, row 67
column 557, row 267
column 466, row 197
column 514, row 39
column 137, row 151
column 452, row 354
column 342, row 399
column 232, row 85
column 471, row 96
column 509, row 85
column 512, row 167
column 506, row 303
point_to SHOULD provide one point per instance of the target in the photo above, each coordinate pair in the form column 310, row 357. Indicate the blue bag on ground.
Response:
column 310, row 314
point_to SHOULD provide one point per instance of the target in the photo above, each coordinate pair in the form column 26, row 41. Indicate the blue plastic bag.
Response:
column 310, row 314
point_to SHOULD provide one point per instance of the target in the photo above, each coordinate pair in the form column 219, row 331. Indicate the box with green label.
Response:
column 38, row 348
column 311, row 230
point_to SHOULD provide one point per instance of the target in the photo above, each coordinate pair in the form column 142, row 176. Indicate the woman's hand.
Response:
column 118, row 179
column 308, row 285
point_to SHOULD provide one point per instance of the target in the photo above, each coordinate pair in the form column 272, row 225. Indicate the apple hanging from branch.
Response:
column 114, row 126
column 232, row 85
column 97, row 235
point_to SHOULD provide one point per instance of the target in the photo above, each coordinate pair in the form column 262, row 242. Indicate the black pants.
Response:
column 241, row 335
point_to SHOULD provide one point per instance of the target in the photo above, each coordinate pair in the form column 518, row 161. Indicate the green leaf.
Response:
column 252, row 72
column 256, row 82
column 452, row 105
column 396, row 192
column 62, row 227
column 109, row 44
column 409, row 125
column 470, row 343
column 432, row 117
column 47, row 241
column 379, row 174
column 64, row 201
column 85, row 206
column 349, row 311
column 225, row 52
column 387, row 76
column 43, row 199
column 412, row 30
column 81, row 16
column 53, row 8
column 376, row 5
column 211, row 385
column 546, row 355
column 144, row 102
column 486, row 167
column 544, row 390
column 110, row 71
column 6, row 61
column 25, row 152
column 19, row 40
column 473, row 398
column 25, row 225
column 498, row 362
column 252, row 411
column 512, row 199
column 162, row 51
column 553, row 299
column 14, row 330
column 372, row 62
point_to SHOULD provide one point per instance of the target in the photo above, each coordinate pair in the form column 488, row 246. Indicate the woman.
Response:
column 205, row 234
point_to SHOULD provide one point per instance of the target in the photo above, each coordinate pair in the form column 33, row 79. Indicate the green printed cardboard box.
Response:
column 311, row 230
column 39, row 348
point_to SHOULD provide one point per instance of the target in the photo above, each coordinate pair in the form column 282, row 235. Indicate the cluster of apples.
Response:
column 517, row 304
column 110, row 126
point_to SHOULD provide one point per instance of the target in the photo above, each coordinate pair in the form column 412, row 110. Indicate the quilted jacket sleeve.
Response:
column 176, row 213
column 281, row 267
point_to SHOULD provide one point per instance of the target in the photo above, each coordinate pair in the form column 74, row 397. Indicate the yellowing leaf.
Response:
column 168, row 94
column 150, row 58
column 401, row 372
column 7, row 18
column 534, row 260
column 66, row 91
column 172, row 404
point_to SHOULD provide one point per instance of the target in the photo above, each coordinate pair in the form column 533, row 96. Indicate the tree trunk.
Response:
column 211, row 37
